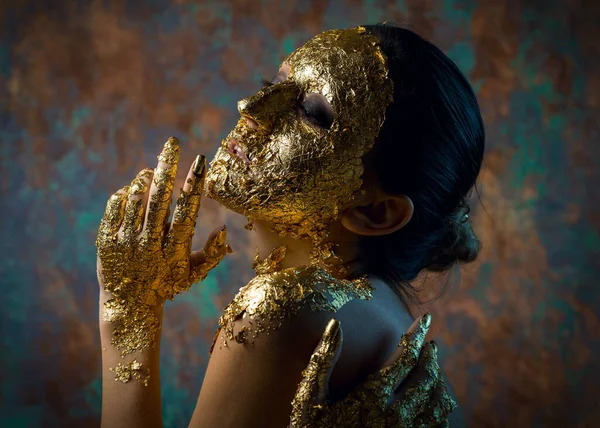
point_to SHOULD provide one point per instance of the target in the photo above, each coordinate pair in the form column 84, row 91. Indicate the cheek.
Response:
column 296, row 145
column 286, row 148
column 306, row 168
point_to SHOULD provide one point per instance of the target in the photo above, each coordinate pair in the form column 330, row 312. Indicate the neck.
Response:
column 299, row 250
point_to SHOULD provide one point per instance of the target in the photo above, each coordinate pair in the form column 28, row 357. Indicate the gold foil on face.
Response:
column 270, row 299
column 299, row 176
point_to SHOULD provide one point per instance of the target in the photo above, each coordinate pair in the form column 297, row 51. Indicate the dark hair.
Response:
column 430, row 148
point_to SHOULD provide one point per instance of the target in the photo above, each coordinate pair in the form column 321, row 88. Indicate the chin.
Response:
column 224, row 199
column 230, row 182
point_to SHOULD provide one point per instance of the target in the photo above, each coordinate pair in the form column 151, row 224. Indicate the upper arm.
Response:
column 253, row 384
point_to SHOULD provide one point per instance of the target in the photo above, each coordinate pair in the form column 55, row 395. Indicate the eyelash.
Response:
column 310, row 116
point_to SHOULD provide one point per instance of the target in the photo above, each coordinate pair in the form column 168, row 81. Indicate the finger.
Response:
column 113, row 217
column 440, row 406
column 313, row 388
column 134, row 209
column 161, row 190
column 216, row 239
column 166, row 225
column 323, row 360
column 415, row 335
column 405, row 358
column 415, row 394
column 186, row 208
column 213, row 252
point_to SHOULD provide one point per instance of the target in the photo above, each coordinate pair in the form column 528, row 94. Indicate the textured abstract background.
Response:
column 90, row 90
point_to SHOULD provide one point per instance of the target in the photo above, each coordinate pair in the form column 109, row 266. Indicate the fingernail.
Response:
column 118, row 195
column 172, row 143
column 147, row 173
column 139, row 184
column 426, row 321
column 170, row 152
column 228, row 249
column 199, row 165
column 330, row 339
column 221, row 236
column 332, row 329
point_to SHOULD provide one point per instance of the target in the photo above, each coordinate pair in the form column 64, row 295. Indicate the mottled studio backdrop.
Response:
column 90, row 90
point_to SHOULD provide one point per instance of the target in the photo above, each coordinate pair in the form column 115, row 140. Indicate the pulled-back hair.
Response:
column 430, row 148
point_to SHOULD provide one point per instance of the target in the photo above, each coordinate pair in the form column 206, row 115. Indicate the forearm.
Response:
column 135, row 402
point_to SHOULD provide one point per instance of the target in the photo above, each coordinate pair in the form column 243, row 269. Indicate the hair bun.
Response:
column 459, row 242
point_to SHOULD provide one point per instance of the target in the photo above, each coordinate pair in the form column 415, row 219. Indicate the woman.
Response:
column 353, row 166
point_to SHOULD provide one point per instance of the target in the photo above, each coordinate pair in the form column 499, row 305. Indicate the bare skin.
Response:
column 264, row 377
column 415, row 396
column 371, row 213
column 249, row 386
column 247, row 383
column 134, row 404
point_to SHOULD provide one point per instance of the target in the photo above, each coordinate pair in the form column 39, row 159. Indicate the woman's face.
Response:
column 294, row 158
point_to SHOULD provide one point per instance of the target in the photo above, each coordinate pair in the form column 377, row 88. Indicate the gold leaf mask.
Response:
column 298, row 176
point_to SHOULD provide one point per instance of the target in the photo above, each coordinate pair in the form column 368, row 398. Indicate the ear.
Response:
column 382, row 217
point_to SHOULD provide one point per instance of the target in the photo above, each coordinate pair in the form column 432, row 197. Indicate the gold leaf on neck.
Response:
column 272, row 263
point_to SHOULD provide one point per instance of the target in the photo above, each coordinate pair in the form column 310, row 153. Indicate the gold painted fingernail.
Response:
column 221, row 236
column 199, row 165
column 170, row 152
column 332, row 329
column 426, row 321
column 146, row 173
column 139, row 184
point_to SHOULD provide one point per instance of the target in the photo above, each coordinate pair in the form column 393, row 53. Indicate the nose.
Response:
column 252, row 124
column 262, row 109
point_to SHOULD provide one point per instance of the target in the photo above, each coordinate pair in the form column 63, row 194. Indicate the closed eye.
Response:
column 316, row 110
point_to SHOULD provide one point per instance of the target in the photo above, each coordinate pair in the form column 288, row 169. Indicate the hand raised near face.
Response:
column 408, row 391
column 143, row 259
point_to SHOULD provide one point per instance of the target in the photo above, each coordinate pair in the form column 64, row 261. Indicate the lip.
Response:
column 233, row 146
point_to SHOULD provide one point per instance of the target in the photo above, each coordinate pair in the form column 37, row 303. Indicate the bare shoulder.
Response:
column 269, row 300
column 251, row 379
column 371, row 333
column 255, row 380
